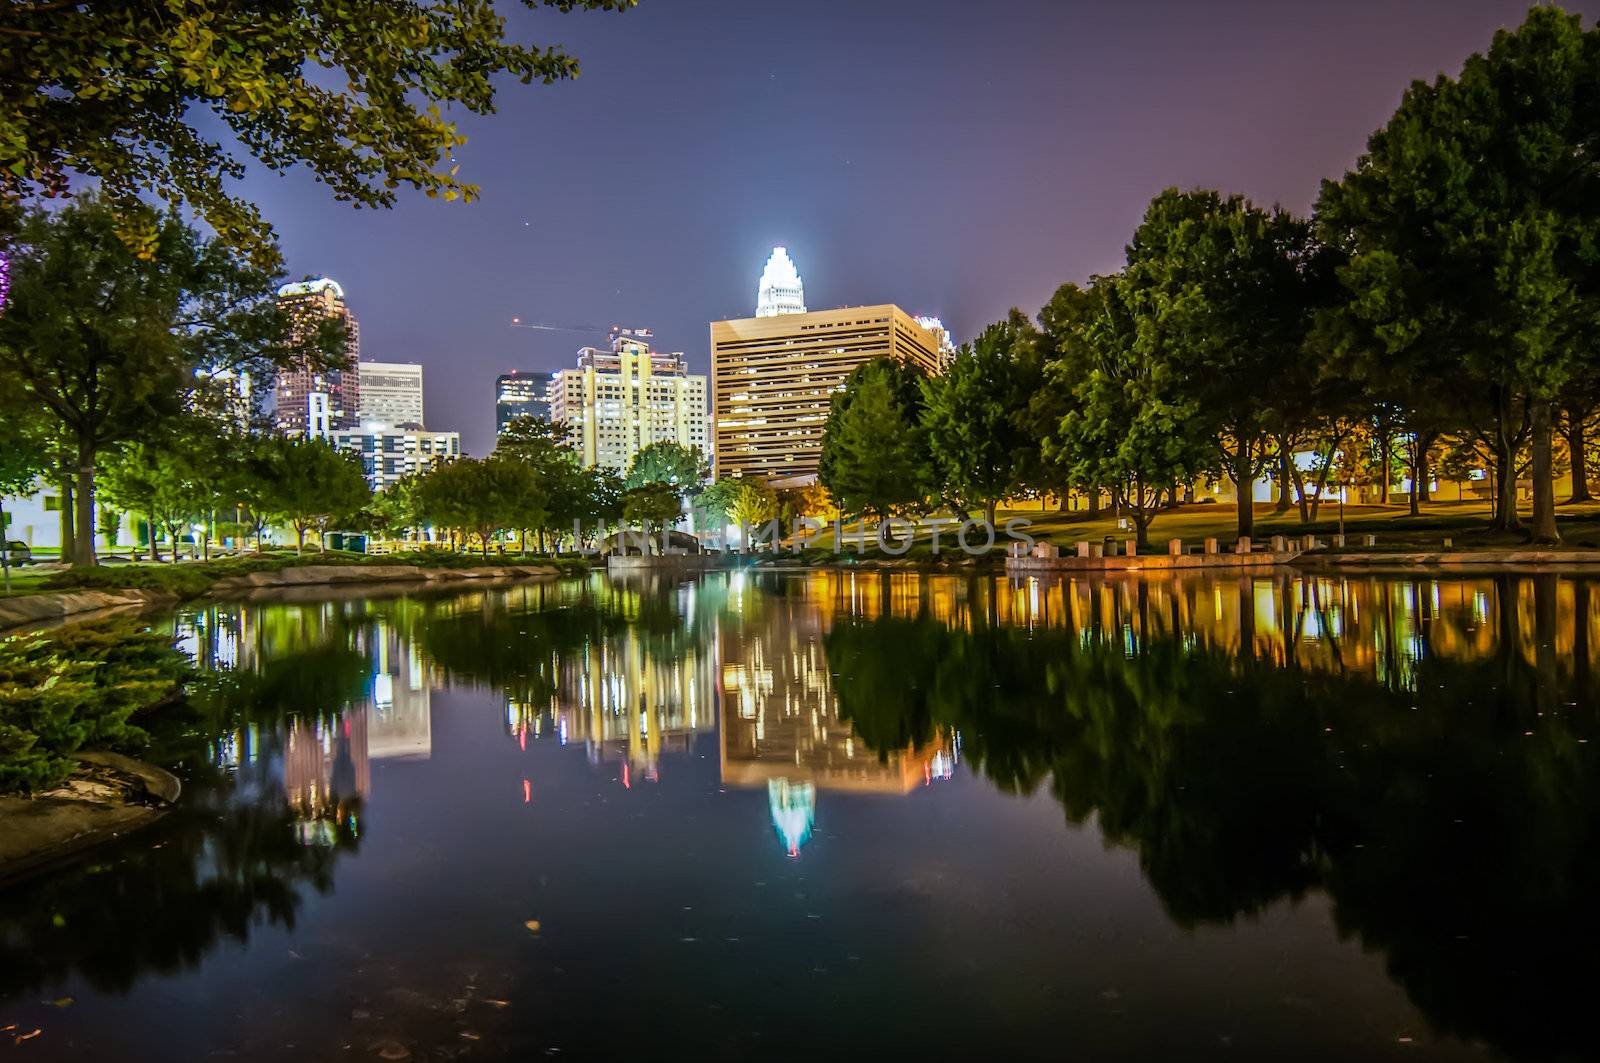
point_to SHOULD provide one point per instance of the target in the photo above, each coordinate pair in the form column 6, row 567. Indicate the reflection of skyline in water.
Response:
column 1412, row 756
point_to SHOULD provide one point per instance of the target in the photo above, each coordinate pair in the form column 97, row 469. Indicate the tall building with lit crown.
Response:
column 519, row 394
column 391, row 394
column 620, row 400
column 309, row 400
column 779, row 291
column 773, row 376
column 947, row 343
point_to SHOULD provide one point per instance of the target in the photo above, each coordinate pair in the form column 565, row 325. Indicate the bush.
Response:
column 78, row 686
column 182, row 580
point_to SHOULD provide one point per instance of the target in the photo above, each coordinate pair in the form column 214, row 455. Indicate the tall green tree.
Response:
column 674, row 464
column 1130, row 421
column 156, row 97
column 112, row 344
column 874, row 453
column 314, row 487
column 975, row 415
column 1217, row 288
column 1472, row 224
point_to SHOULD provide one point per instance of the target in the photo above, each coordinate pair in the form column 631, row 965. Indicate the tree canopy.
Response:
column 132, row 93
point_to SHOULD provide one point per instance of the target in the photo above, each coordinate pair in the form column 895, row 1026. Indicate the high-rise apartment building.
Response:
column 309, row 400
column 773, row 377
column 619, row 401
column 519, row 394
column 391, row 394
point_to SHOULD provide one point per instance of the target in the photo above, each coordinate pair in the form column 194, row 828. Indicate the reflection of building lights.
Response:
column 794, row 809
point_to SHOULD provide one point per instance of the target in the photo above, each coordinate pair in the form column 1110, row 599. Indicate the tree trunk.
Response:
column 1505, row 457
column 84, row 553
column 69, row 541
column 1544, row 487
column 1385, row 457
column 988, row 511
column 1416, row 474
column 1420, row 473
column 1578, row 451
column 5, row 547
column 1243, row 467
column 300, row 539
column 1094, row 500
column 150, row 530
column 1285, row 493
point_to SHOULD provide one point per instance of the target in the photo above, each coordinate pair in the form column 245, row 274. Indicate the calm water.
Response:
column 848, row 815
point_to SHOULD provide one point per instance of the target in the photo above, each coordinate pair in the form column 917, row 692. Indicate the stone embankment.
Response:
column 330, row 575
column 44, row 609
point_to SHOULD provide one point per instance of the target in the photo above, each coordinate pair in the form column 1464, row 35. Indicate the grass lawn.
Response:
column 1465, row 523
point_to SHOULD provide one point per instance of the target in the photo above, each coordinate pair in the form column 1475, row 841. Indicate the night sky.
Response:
column 957, row 157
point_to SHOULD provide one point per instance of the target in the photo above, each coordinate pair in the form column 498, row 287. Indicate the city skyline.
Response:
column 1050, row 125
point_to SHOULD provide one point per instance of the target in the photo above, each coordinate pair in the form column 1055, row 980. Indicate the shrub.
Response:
column 78, row 686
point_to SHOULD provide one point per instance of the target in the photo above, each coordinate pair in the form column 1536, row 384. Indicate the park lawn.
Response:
column 1464, row 523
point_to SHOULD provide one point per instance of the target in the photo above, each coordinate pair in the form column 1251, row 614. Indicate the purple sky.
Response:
column 957, row 157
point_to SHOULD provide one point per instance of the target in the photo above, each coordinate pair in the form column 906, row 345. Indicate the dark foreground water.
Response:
column 850, row 816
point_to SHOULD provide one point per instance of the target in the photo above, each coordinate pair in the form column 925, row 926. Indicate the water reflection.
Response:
column 1416, row 750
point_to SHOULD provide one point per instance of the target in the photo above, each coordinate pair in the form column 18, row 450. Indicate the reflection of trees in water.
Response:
column 1448, row 800
column 228, row 859
column 235, row 853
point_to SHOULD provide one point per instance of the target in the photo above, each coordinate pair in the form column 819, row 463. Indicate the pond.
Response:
column 851, row 814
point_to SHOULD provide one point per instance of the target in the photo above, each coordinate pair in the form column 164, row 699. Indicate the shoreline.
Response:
column 51, row 606
column 108, row 797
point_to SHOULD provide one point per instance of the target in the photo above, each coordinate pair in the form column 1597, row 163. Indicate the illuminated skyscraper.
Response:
column 619, row 401
column 519, row 394
column 310, row 400
column 779, row 290
column 947, row 344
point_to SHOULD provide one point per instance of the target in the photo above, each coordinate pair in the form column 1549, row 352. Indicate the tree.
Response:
column 1218, row 292
column 473, row 497
column 553, row 482
column 24, row 456
column 682, row 467
column 1471, row 223
column 314, row 486
column 653, row 506
column 111, row 344
column 119, row 93
column 874, row 453
column 151, row 478
column 751, row 504
column 1130, row 422
column 974, row 415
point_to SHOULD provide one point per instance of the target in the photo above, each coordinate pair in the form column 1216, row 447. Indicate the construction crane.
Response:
column 614, row 330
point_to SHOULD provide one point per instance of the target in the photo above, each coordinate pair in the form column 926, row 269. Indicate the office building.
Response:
column 519, row 394
column 391, row 394
column 773, row 376
column 387, row 454
column 622, row 399
column 309, row 400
